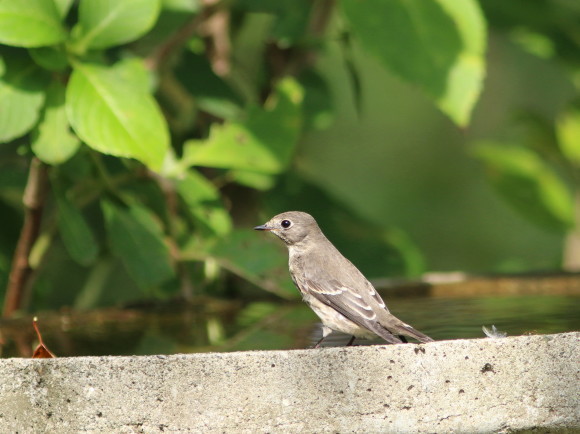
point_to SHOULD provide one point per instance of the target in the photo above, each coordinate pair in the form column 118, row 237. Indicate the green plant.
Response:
column 537, row 167
column 124, row 122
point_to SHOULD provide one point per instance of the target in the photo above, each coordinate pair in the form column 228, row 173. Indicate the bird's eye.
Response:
column 286, row 224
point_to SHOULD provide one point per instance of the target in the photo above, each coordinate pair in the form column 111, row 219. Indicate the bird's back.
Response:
column 324, row 265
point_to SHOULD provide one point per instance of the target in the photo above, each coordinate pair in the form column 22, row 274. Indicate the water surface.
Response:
column 230, row 326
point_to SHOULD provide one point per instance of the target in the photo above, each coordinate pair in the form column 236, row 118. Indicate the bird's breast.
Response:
column 295, row 261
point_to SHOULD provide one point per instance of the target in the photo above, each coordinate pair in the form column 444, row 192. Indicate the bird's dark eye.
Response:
column 286, row 224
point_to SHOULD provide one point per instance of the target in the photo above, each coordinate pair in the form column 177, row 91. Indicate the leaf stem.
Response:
column 102, row 172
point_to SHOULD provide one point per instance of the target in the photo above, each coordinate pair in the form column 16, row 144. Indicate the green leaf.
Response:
column 465, row 77
column 51, row 58
column 63, row 7
column 438, row 45
column 256, row 259
column 204, row 202
column 30, row 23
column 292, row 17
column 114, row 115
column 533, row 42
column 95, row 285
column 528, row 184
column 76, row 234
column 249, row 46
column 182, row 6
column 292, row 20
column 263, row 143
column 258, row 181
column 212, row 93
column 137, row 240
column 568, row 132
column 21, row 97
column 410, row 254
column 131, row 70
column 537, row 132
column 52, row 141
column 106, row 23
column 318, row 101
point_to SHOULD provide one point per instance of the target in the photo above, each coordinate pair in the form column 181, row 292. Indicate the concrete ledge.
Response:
column 484, row 385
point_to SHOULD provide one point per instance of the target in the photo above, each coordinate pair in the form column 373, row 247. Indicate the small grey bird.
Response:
column 332, row 286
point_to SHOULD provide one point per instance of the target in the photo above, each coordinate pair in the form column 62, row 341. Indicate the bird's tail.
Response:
column 410, row 331
column 398, row 327
column 387, row 335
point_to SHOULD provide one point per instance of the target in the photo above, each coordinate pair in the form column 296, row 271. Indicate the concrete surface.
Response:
column 484, row 385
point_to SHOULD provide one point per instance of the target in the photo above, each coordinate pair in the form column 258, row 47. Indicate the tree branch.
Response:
column 163, row 54
column 34, row 200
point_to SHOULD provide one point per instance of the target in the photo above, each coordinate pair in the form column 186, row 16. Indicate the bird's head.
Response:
column 292, row 227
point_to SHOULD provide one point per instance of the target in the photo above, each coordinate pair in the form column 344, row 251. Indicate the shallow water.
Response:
column 459, row 318
column 267, row 325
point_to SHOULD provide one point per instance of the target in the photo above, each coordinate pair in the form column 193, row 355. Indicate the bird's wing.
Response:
column 360, row 310
column 351, row 304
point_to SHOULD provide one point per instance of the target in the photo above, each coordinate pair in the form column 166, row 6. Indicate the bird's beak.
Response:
column 262, row 228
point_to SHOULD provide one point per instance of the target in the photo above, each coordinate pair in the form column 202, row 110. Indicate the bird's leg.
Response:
column 319, row 342
column 351, row 341
column 403, row 338
column 325, row 332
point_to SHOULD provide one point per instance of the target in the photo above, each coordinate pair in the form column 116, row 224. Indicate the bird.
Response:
column 332, row 286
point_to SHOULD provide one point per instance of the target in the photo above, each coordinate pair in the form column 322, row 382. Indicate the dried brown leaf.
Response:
column 41, row 351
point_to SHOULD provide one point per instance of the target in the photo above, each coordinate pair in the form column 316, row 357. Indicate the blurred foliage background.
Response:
column 141, row 140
